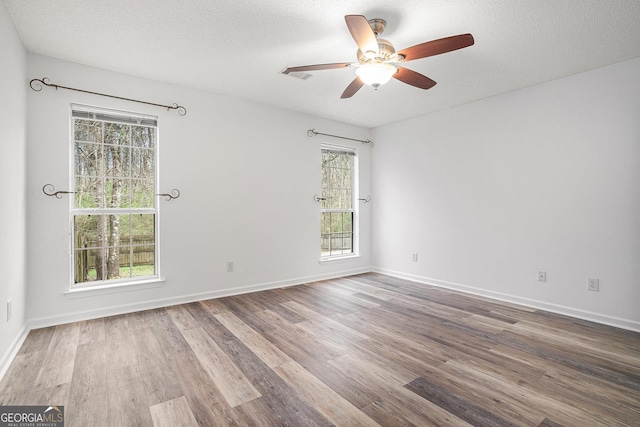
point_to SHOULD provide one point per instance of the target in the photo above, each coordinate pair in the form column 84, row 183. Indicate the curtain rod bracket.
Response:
column 313, row 132
column 50, row 190
column 175, row 193
column 36, row 85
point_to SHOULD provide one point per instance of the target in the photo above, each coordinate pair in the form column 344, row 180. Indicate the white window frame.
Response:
column 355, row 250
column 101, row 285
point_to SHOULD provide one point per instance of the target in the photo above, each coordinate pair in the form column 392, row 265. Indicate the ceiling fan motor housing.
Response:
column 385, row 52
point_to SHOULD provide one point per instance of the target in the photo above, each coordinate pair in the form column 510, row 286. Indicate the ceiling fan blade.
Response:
column 362, row 33
column 353, row 87
column 413, row 78
column 436, row 47
column 316, row 67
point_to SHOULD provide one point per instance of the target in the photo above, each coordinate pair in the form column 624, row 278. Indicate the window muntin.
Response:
column 114, row 213
column 337, row 215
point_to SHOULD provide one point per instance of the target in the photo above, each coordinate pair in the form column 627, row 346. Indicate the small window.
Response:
column 114, row 218
column 338, row 216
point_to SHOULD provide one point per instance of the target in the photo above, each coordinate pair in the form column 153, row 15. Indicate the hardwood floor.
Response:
column 364, row 350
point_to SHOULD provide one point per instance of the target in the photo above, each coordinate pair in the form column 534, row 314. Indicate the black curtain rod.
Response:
column 36, row 85
column 312, row 132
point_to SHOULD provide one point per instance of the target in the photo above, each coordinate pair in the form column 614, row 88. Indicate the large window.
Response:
column 113, row 213
column 337, row 228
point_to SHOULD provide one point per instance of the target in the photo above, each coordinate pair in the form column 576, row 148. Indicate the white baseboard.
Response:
column 604, row 319
column 44, row 322
column 13, row 350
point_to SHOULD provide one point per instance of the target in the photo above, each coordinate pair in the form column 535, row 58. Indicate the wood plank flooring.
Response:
column 363, row 350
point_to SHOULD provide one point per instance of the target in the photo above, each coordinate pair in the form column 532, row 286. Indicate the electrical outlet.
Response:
column 9, row 304
column 542, row 276
column 593, row 284
column 415, row 257
column 229, row 266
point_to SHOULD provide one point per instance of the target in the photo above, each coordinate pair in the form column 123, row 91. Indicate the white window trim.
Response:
column 114, row 285
column 355, row 194
column 334, row 259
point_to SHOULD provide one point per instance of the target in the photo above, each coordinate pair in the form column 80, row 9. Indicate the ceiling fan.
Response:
column 377, row 57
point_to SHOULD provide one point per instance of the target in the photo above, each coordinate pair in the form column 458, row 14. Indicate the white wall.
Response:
column 247, row 174
column 487, row 194
column 545, row 178
column 13, row 205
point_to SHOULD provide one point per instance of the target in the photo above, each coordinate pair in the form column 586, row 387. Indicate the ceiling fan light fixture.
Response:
column 376, row 73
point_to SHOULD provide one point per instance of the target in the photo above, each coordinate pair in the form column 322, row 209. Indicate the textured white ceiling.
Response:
column 239, row 47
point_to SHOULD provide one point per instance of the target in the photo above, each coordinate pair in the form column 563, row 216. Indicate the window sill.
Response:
column 337, row 259
column 90, row 291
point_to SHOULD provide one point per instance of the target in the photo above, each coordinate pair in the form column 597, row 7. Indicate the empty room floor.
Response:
column 362, row 350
